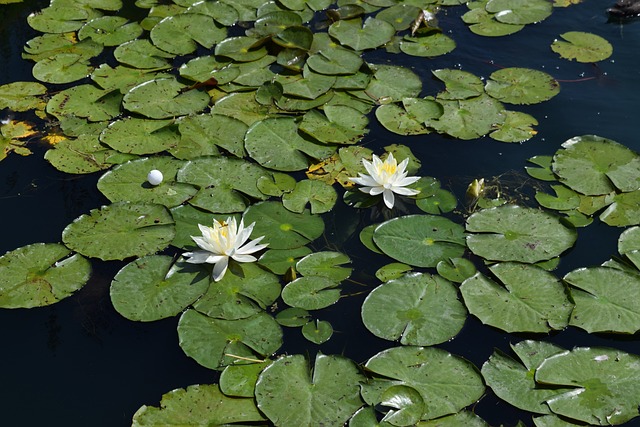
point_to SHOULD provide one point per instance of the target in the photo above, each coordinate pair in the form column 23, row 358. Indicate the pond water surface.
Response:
column 79, row 363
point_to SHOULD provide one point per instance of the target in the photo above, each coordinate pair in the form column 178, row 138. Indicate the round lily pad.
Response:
column 514, row 233
column 484, row 23
column 164, row 98
column 429, row 44
column 459, row 84
column 320, row 196
column 240, row 380
column 120, row 230
column 62, row 68
column 40, row 274
column 529, row 300
column 519, row 12
column 583, row 47
column 522, row 85
column 311, row 293
column 110, row 30
column 392, row 83
column 141, row 53
column 468, row 118
column 417, row 309
column 153, row 288
column 327, row 264
column 140, row 136
column 358, row 36
column 85, row 101
column 181, row 34
column 420, row 240
column 405, row 403
column 293, row 317
column 456, row 269
column 318, row 331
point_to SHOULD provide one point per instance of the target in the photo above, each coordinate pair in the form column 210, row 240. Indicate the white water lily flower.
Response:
column 386, row 178
column 225, row 240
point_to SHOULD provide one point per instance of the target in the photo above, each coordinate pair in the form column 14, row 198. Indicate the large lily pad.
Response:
column 519, row 12
column 110, row 30
column 141, row 136
column 418, row 309
column 40, row 274
column 290, row 396
column 120, row 230
column 202, row 134
column 420, row 240
column 153, row 287
column 196, row 405
column 605, row 384
column 216, row 343
column 85, row 101
column 593, row 165
column 522, row 85
column 22, row 96
column 583, row 47
column 164, row 98
column 82, row 155
column 358, row 36
column 62, row 68
column 141, row 53
column 446, row 383
column 514, row 233
column 181, row 34
column 529, row 300
column 339, row 124
column 392, row 83
column 606, row 299
column 468, row 118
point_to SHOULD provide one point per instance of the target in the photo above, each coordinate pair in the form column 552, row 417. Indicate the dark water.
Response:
column 79, row 363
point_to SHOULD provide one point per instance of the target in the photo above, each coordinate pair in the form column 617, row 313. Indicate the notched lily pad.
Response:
column 522, row 85
column 583, row 47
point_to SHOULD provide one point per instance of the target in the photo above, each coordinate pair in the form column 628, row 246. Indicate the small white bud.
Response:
column 154, row 177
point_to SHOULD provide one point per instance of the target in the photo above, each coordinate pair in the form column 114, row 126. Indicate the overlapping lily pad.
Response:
column 164, row 98
column 40, row 274
column 417, row 309
column 181, row 34
column 522, row 85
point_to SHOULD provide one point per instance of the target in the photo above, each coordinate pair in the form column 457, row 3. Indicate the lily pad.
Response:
column 198, row 404
column 110, row 30
column 417, row 309
column 141, row 53
column 85, row 101
column 529, row 300
column 153, row 288
column 40, row 274
column 583, row 47
column 459, row 84
column 181, row 34
column 456, row 269
column 517, row 127
column 141, row 136
column 164, row 98
column 514, row 233
column 522, row 85
column 318, row 332
column 283, row 229
column 202, row 134
column 484, row 23
column 447, row 383
column 427, row 44
column 311, row 293
column 420, row 240
column 81, row 155
column 326, row 264
column 468, row 118
column 339, row 124
column 358, row 36
column 604, row 384
column 405, row 403
column 327, row 57
column 607, row 300
column 290, row 395
column 293, row 317
column 519, row 12
column 245, row 290
column 240, row 380
column 623, row 211
column 392, row 83
column 120, row 230
column 22, row 96
column 216, row 343
column 62, row 68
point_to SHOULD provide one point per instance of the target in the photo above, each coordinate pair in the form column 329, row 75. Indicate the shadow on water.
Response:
column 79, row 363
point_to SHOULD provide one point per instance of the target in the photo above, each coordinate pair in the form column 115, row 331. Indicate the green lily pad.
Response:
column 583, row 47
column 400, row 15
column 326, row 264
column 456, row 269
column 181, row 34
column 50, row 45
column 322, row 197
column 420, row 240
column 564, row 200
column 40, row 274
column 309, row 85
column 607, row 300
column 514, row 233
column 327, row 57
column 242, row 49
column 392, row 83
column 543, row 172
column 244, row 291
column 276, row 185
column 62, row 68
column 289, row 395
column 629, row 244
column 110, row 30
column 222, row 13
column 522, row 85
column 216, row 343
column 141, row 136
column 513, row 381
column 484, row 23
column 339, row 124
column 85, row 101
column 530, row 299
column 164, row 98
column 60, row 19
column 427, row 44
column 417, row 309
column 22, row 96
column 198, row 404
column 272, row 23
column 293, row 317
column 276, row 144
column 462, row 418
column 141, row 53
column 240, row 380
column 604, row 384
column 392, row 271
column 397, row 120
column 120, row 230
column 283, row 229
column 209, row 70
column 447, row 383
column 459, row 84
column 81, row 155
column 468, row 118
column 311, row 293
column 123, row 78
column 517, row 127
column 519, row 12
column 623, row 211
column 441, row 201
column 406, row 405
column 593, row 165
column 153, row 288
column 358, row 36
column 317, row 332
column 202, row 134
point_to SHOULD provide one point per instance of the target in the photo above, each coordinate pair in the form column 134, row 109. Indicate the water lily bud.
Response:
column 155, row 177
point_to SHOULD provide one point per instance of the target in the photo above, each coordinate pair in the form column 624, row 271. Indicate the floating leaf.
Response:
column 543, row 172
column 522, row 85
column 60, row 19
column 120, row 230
column 202, row 134
column 393, row 83
column 240, row 380
column 468, row 118
column 153, row 288
column 462, row 418
column 517, row 127
column 447, row 383
column 317, row 332
column 311, row 293
column 604, row 384
column 399, row 15
column 85, row 101
column 110, row 30
column 293, row 317
column 141, row 136
column 484, row 23
column 40, row 274
column 339, row 124
column 392, row 271
column 216, row 343
column 198, row 404
column 514, row 233
column 283, row 229
column 420, row 240
column 623, row 211
column 164, row 98
column 583, row 47
column 358, row 36
column 456, row 269
column 181, row 34
column 141, row 53
column 459, row 84
column 519, row 12
column 593, row 165
column 22, row 96
column 417, row 309
column 529, row 300
column 429, row 44
column 81, row 155
column 326, row 264
column 406, row 405
column 441, row 201
column 607, row 300
column 289, row 395
column 330, row 58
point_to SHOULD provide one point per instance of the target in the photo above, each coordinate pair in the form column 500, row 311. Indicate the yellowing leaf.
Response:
column 53, row 138
column 565, row 3
column 17, row 129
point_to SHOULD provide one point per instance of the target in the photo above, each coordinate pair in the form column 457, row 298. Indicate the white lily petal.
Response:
column 219, row 269
column 244, row 258
column 388, row 197
column 365, row 180
column 376, row 190
column 405, row 191
column 197, row 257
column 407, row 181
